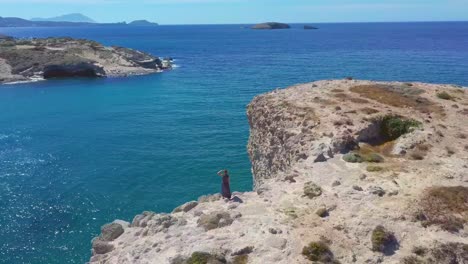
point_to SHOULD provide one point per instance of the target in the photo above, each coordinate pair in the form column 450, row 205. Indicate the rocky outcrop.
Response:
column 36, row 59
column 271, row 25
column 308, row 27
column 345, row 171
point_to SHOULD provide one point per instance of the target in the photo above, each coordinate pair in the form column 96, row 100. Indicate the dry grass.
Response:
column 445, row 96
column 372, row 168
column 340, row 95
column 359, row 100
column 402, row 97
column 337, row 90
column 420, row 151
column 446, row 207
column 369, row 111
column 346, row 97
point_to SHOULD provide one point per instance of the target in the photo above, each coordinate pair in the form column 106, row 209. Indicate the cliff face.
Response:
column 345, row 172
column 29, row 60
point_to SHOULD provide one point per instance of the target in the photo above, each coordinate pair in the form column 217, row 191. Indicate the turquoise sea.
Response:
column 76, row 154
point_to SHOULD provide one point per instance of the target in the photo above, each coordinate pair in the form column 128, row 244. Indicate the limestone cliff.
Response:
column 345, row 172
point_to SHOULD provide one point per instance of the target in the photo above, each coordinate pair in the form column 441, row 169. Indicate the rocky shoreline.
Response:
column 25, row 60
column 345, row 171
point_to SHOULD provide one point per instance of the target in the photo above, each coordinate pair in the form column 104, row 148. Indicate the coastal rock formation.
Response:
column 310, row 27
column 35, row 59
column 345, row 171
column 271, row 25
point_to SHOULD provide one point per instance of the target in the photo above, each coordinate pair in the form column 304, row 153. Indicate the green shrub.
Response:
column 205, row 258
column 373, row 157
column 353, row 158
column 312, row 190
column 392, row 127
column 445, row 96
column 318, row 251
column 382, row 239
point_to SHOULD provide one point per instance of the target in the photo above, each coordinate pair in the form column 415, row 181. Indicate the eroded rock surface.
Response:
column 312, row 204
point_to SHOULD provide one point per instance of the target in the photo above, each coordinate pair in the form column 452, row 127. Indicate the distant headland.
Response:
column 69, row 20
column 26, row 60
column 74, row 17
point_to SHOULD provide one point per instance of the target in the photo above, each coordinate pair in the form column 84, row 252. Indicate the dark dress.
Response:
column 225, row 189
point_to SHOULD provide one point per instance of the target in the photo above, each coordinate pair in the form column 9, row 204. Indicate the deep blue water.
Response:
column 76, row 154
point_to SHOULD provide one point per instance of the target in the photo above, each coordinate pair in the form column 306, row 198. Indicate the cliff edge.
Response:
column 345, row 171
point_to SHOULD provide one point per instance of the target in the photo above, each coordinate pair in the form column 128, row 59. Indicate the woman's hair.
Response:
column 225, row 172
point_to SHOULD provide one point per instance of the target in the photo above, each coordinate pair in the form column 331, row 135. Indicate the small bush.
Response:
column 373, row 157
column 445, row 96
column 392, row 127
column 312, row 190
column 382, row 239
column 205, row 258
column 318, row 251
column 353, row 158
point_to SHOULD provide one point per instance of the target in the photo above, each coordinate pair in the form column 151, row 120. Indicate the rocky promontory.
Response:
column 37, row 59
column 345, row 171
column 271, row 25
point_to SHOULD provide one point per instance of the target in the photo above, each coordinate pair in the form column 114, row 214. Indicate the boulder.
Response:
column 185, row 207
column 101, row 247
column 111, row 231
column 215, row 220
column 271, row 25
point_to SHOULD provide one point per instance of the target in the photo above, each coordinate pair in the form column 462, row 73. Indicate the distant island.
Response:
column 142, row 23
column 75, row 17
column 271, row 25
column 71, row 20
column 26, row 60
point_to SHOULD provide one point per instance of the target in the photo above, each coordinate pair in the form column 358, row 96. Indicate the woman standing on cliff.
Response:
column 225, row 188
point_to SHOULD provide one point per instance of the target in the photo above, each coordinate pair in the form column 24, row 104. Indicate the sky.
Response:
column 243, row 11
